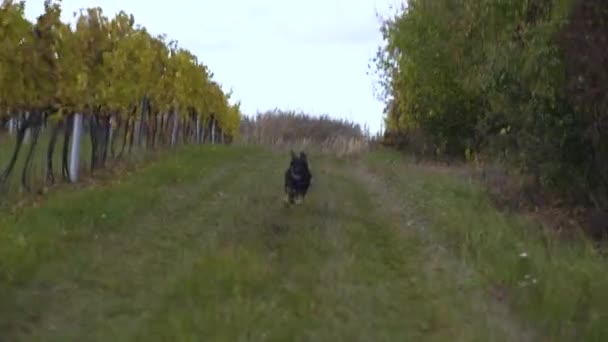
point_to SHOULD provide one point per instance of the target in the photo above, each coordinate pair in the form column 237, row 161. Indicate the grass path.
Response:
column 200, row 247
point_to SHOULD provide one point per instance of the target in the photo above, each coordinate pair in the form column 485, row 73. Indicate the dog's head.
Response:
column 299, row 164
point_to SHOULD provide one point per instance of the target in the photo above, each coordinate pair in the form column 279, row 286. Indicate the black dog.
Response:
column 297, row 177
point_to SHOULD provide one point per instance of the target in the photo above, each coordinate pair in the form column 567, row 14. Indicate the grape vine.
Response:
column 129, row 86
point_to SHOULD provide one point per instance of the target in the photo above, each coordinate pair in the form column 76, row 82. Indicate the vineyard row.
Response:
column 107, row 79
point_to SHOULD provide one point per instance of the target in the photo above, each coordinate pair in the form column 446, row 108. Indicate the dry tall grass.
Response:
column 283, row 130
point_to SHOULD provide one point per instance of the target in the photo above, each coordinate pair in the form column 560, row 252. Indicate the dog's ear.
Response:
column 303, row 156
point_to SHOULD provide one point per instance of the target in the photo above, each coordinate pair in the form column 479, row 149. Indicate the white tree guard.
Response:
column 198, row 129
column 174, row 130
column 11, row 126
column 27, row 136
column 75, row 153
column 213, row 132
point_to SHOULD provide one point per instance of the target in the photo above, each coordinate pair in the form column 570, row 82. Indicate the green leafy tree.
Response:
column 500, row 79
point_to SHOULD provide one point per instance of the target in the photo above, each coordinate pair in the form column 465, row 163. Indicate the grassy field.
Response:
column 200, row 247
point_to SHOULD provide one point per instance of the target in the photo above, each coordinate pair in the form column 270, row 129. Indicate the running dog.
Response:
column 297, row 178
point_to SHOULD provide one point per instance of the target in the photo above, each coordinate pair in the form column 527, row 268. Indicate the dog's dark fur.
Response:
column 297, row 177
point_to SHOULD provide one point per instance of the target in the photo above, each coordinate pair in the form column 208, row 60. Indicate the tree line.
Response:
column 520, row 81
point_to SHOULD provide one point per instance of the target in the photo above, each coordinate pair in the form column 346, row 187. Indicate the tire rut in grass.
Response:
column 459, row 302
column 257, row 280
column 226, row 270
column 111, row 280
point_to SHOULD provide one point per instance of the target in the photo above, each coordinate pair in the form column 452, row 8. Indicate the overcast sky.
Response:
column 304, row 55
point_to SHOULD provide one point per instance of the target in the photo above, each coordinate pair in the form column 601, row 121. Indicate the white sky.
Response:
column 303, row 55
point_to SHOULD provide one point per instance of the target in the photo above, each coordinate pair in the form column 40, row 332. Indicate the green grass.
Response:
column 199, row 246
column 557, row 285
